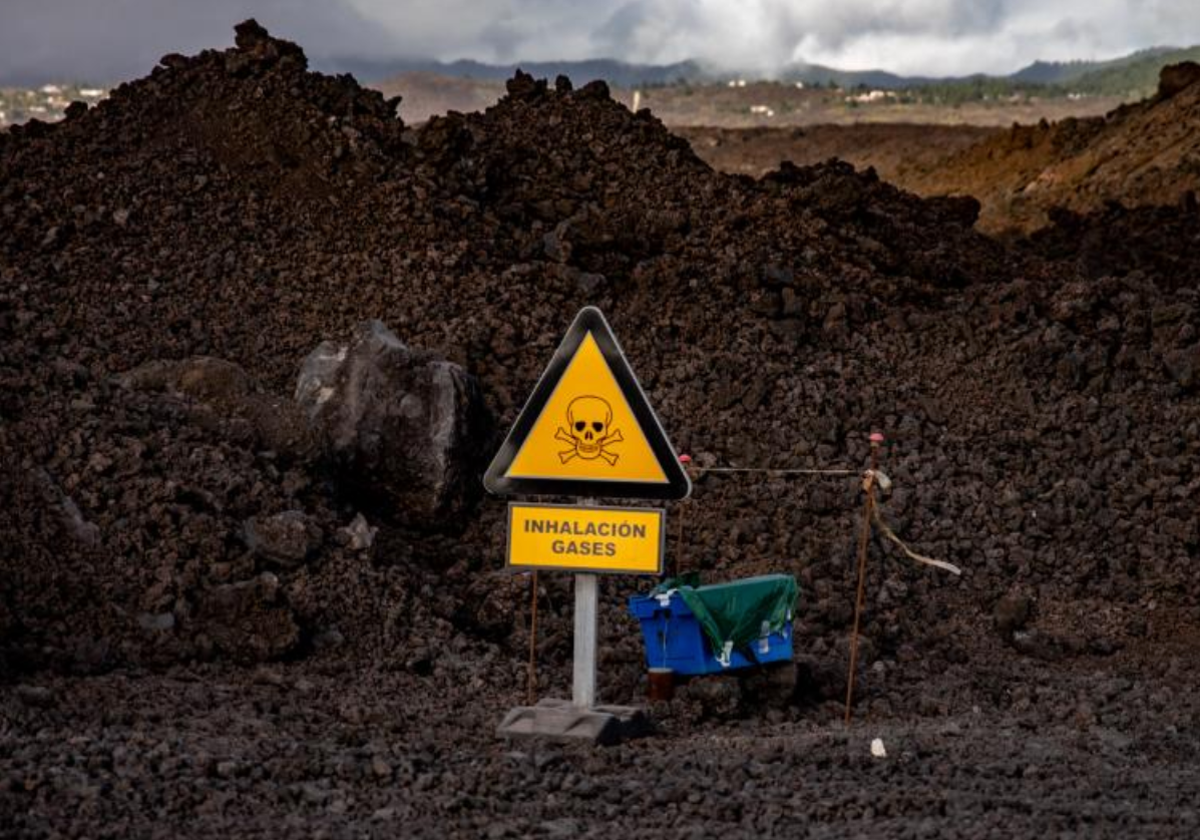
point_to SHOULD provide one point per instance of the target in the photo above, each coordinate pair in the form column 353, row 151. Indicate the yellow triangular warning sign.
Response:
column 588, row 430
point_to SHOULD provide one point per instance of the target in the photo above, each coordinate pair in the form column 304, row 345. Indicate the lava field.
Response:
column 219, row 613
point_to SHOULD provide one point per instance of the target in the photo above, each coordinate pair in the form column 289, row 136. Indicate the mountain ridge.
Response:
column 1136, row 72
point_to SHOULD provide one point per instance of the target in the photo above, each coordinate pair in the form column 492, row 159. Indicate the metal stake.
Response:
column 686, row 460
column 863, row 542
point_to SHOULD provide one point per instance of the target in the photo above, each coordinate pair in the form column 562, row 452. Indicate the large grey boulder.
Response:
column 397, row 423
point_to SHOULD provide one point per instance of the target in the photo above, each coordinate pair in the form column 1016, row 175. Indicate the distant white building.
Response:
column 871, row 96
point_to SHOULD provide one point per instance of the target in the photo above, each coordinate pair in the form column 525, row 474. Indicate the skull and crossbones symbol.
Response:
column 589, row 431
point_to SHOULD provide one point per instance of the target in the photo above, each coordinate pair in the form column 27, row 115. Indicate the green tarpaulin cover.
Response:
column 735, row 614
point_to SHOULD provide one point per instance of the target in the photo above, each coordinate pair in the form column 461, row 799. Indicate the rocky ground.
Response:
column 898, row 152
column 1139, row 154
column 1146, row 153
column 998, row 745
column 258, row 339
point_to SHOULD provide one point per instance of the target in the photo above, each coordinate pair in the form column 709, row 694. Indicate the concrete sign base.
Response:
column 560, row 720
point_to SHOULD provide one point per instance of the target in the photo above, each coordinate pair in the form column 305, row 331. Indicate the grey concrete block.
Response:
column 560, row 720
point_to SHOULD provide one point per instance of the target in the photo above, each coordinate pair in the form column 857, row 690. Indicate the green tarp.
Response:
column 735, row 614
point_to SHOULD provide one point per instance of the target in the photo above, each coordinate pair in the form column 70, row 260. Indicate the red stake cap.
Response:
column 876, row 437
column 685, row 459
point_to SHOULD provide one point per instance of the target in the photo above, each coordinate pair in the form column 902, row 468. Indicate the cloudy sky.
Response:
column 120, row 38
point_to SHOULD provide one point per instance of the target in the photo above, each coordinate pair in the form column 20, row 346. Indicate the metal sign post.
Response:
column 583, row 692
column 587, row 430
column 587, row 603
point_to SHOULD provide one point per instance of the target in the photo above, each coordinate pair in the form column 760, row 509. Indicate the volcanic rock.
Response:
column 1175, row 77
column 1012, row 612
column 68, row 516
column 1038, row 435
column 287, row 539
column 36, row 696
column 235, row 402
column 397, row 422
column 247, row 621
column 1139, row 154
column 359, row 534
column 1184, row 366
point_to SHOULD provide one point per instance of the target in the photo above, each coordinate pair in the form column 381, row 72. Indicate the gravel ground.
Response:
column 1000, row 745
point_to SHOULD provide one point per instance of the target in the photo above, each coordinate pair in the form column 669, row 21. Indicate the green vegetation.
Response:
column 1132, row 77
column 980, row 89
column 1136, row 77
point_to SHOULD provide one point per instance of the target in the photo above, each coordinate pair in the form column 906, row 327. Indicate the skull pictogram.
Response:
column 589, row 431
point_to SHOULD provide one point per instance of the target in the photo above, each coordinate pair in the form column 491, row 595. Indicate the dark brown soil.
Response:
column 899, row 152
column 161, row 674
column 1146, row 153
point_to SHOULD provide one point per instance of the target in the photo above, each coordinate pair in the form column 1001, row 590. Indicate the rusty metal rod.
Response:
column 686, row 460
column 679, row 542
column 863, row 543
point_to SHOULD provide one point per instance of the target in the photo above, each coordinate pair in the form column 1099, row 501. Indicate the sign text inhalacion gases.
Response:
column 594, row 539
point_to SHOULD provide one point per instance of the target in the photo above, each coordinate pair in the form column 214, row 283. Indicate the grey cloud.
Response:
column 504, row 38
column 101, row 40
column 120, row 38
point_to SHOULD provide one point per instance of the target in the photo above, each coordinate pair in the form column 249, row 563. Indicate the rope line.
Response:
column 773, row 471
column 920, row 558
column 870, row 477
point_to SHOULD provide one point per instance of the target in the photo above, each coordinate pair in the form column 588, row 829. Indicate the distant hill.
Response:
column 616, row 73
column 819, row 74
column 1134, row 75
column 1065, row 72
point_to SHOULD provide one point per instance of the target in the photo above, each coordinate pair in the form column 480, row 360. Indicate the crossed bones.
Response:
column 589, row 451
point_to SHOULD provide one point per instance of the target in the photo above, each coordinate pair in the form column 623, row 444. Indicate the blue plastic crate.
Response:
column 675, row 640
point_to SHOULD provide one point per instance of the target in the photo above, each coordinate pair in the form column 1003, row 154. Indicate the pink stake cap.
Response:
column 876, row 437
column 685, row 459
